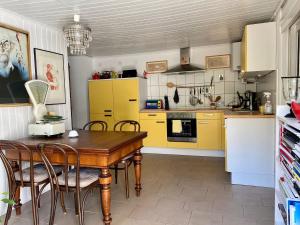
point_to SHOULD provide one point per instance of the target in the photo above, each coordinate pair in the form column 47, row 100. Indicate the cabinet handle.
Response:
column 202, row 122
column 107, row 115
column 132, row 100
column 160, row 121
column 151, row 114
column 107, row 110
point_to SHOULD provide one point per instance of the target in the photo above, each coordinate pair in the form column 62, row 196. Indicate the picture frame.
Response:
column 157, row 66
column 218, row 61
column 15, row 66
column 49, row 67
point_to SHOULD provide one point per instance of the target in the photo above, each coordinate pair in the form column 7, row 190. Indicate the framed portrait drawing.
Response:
column 49, row 67
column 218, row 61
column 14, row 66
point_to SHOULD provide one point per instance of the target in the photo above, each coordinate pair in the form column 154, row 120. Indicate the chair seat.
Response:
column 40, row 173
column 87, row 177
column 127, row 157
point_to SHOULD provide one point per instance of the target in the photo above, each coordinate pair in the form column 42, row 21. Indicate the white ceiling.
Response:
column 131, row 26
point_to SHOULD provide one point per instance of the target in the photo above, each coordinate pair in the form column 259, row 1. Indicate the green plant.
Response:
column 6, row 200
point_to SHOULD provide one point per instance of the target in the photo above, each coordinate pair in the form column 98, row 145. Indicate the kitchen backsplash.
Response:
column 226, row 87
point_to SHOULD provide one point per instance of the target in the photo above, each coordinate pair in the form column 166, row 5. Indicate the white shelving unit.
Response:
column 279, row 171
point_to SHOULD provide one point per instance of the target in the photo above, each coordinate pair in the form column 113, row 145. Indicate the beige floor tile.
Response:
column 199, row 218
column 238, row 221
column 173, row 216
column 260, row 213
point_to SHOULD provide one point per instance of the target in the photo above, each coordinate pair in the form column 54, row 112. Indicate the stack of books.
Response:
column 289, row 182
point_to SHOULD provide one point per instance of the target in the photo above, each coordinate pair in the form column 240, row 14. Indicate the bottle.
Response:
column 268, row 105
column 167, row 107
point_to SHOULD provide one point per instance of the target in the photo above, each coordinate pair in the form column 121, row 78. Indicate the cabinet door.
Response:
column 101, row 96
column 209, row 134
column 108, row 118
column 157, row 132
column 244, row 51
column 126, row 99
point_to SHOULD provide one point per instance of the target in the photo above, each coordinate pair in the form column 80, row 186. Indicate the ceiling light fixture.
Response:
column 78, row 37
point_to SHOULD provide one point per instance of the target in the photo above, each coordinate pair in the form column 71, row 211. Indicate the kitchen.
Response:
column 202, row 90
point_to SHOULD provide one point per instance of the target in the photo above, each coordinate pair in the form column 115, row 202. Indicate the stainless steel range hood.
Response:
column 185, row 66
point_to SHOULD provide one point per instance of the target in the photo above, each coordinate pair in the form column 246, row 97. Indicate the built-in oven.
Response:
column 181, row 127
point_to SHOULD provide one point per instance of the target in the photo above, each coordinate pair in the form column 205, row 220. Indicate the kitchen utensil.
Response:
column 241, row 99
column 193, row 98
column 218, row 98
column 199, row 96
column 176, row 96
column 171, row 85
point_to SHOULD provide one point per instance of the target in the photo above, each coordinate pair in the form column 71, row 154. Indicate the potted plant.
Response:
column 6, row 200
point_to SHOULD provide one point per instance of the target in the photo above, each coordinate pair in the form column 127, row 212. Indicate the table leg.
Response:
column 105, row 181
column 138, row 168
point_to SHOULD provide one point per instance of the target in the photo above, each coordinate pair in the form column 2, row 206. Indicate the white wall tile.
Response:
column 217, row 74
column 219, row 88
column 154, row 79
column 190, row 79
column 163, row 90
column 199, row 78
column 229, row 75
column 229, row 87
column 163, row 79
column 180, row 79
column 240, row 87
column 154, row 90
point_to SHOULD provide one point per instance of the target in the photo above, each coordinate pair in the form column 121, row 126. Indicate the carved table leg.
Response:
column 138, row 168
column 105, row 181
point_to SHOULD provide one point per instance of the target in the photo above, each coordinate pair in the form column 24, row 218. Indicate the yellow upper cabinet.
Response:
column 101, row 96
column 258, row 48
column 126, row 99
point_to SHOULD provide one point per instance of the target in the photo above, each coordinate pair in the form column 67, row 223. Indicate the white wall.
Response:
column 14, row 120
column 81, row 67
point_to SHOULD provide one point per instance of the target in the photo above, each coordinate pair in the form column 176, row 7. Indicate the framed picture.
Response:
column 218, row 61
column 14, row 66
column 157, row 66
column 49, row 67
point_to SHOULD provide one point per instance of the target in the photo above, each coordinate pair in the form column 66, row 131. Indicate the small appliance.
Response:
column 251, row 101
column 181, row 127
column 129, row 73
column 154, row 104
column 45, row 125
column 268, row 105
column 167, row 105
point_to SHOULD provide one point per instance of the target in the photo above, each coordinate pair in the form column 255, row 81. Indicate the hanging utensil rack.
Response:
column 172, row 85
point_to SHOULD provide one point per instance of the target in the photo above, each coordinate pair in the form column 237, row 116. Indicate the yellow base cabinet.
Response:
column 156, row 126
column 209, row 134
column 108, row 118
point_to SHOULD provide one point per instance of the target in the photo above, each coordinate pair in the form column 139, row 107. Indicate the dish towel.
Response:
column 176, row 126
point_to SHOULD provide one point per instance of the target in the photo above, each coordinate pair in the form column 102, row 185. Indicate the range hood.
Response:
column 185, row 66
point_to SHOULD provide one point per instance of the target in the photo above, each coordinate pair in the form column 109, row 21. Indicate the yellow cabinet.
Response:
column 108, row 118
column 126, row 99
column 157, row 130
column 209, row 134
column 101, row 96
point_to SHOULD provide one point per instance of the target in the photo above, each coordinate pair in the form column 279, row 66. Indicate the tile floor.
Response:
column 177, row 190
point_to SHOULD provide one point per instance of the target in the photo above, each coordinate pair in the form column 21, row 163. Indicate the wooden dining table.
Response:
column 97, row 150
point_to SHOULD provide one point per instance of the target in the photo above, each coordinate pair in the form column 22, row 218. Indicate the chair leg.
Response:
column 76, row 204
column 80, row 208
column 8, row 214
column 54, row 196
column 116, row 173
column 62, row 202
column 126, row 179
column 37, row 191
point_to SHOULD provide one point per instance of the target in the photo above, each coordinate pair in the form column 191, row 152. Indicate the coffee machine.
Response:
column 250, row 101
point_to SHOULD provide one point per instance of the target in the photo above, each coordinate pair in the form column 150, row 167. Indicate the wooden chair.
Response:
column 127, row 161
column 33, row 176
column 90, row 124
column 75, row 180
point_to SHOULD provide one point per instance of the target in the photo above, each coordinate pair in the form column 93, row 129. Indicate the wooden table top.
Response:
column 90, row 141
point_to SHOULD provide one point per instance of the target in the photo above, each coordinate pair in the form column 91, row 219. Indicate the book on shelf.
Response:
column 293, row 211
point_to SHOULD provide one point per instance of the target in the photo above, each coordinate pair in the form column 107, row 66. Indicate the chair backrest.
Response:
column 119, row 126
column 65, row 151
column 101, row 123
column 16, row 149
